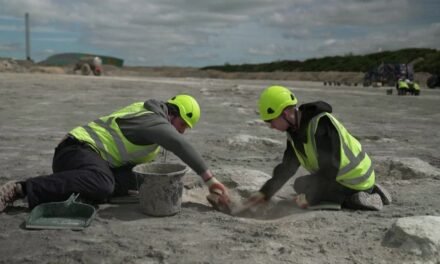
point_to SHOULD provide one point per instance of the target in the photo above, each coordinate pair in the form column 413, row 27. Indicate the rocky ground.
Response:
column 399, row 133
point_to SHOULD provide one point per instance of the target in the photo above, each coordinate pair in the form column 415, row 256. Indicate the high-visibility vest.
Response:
column 416, row 86
column 402, row 84
column 355, row 168
column 105, row 136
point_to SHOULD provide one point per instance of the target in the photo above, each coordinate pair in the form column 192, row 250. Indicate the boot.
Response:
column 366, row 201
column 9, row 192
column 384, row 194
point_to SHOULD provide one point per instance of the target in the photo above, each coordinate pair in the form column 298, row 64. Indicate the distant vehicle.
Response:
column 387, row 74
column 433, row 81
column 88, row 65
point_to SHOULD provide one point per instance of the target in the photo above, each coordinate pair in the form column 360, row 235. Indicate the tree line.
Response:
column 345, row 63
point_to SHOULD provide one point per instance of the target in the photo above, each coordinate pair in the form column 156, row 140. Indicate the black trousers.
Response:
column 318, row 188
column 77, row 168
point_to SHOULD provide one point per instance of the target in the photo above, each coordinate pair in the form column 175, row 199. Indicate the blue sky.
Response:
column 207, row 32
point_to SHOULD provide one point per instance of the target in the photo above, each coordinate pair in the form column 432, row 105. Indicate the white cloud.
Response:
column 11, row 28
column 374, row 42
column 10, row 47
column 267, row 50
column 340, row 12
column 201, row 32
column 55, row 39
column 10, row 18
column 329, row 42
column 205, row 55
column 141, row 59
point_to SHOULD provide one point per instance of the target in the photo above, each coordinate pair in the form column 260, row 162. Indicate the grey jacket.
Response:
column 157, row 129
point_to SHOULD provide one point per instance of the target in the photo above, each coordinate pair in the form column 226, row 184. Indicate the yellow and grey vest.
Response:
column 105, row 136
column 402, row 84
column 355, row 168
column 416, row 86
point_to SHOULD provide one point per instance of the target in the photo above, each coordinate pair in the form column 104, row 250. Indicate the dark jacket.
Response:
column 327, row 144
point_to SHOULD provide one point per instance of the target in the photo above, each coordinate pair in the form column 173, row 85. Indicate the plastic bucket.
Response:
column 160, row 193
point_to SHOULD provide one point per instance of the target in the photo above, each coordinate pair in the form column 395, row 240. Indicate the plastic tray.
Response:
column 61, row 215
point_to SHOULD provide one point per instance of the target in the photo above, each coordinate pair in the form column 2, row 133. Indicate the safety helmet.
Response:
column 273, row 100
column 189, row 109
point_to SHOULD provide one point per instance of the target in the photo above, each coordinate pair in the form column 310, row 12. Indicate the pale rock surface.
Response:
column 419, row 235
column 405, row 168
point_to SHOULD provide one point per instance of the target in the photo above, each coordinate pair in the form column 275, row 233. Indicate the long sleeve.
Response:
column 281, row 173
column 153, row 129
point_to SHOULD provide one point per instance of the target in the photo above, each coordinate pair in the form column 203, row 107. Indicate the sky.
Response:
column 199, row 33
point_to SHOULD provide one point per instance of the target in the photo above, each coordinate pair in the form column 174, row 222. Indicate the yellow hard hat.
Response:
column 273, row 100
column 189, row 109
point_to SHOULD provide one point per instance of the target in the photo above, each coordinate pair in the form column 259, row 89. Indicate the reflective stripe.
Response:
column 312, row 130
column 118, row 141
column 353, row 160
column 125, row 156
column 359, row 179
column 98, row 143
column 313, row 127
column 105, row 136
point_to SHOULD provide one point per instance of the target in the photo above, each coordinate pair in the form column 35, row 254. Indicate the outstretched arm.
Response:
column 151, row 129
column 154, row 129
column 281, row 173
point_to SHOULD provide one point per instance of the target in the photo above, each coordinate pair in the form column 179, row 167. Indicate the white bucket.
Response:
column 160, row 193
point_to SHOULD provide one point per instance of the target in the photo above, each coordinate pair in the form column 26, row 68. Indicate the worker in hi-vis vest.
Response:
column 414, row 88
column 96, row 160
column 402, row 87
column 340, row 170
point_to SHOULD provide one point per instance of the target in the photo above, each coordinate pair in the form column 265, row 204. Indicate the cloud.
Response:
column 55, row 39
column 11, row 28
column 375, row 42
column 267, row 50
column 329, row 42
column 339, row 12
column 10, row 47
column 200, row 32
column 8, row 17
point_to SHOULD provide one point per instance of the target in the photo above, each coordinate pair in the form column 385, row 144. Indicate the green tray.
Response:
column 61, row 215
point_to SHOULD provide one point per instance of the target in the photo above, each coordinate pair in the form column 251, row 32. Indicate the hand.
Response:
column 216, row 187
column 218, row 196
column 250, row 203
column 255, row 199
column 219, row 202
column 301, row 201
